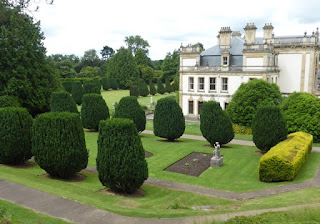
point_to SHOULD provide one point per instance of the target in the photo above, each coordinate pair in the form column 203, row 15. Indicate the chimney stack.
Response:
column 250, row 33
column 225, row 37
column 267, row 33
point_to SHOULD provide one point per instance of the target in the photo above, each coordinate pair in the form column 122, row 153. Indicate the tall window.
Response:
column 225, row 60
column 201, row 84
column 191, row 82
column 190, row 106
column 199, row 107
column 212, row 84
column 224, row 84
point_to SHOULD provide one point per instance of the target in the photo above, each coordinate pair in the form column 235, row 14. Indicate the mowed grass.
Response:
column 239, row 172
column 19, row 214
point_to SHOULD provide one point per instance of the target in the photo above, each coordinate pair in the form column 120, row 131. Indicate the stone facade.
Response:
column 216, row 73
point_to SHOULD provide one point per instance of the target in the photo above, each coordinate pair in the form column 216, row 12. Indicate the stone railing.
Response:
column 229, row 69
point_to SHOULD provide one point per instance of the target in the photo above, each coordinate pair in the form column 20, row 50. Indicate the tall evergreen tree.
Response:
column 160, row 89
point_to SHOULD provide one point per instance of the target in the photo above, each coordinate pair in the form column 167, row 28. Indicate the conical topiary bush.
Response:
column 77, row 92
column 62, row 102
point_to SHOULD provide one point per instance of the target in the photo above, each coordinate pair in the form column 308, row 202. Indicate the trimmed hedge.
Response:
column 160, row 88
column 94, row 109
column 143, row 89
column 105, row 83
column 91, row 87
column 77, row 92
column 58, row 144
column 113, row 83
column 67, row 85
column 129, row 107
column 121, row 161
column 284, row 161
column 134, row 91
column 268, row 127
column 215, row 125
column 62, row 102
column 153, row 90
column 15, row 135
column 168, row 119
column 168, row 87
column 9, row 101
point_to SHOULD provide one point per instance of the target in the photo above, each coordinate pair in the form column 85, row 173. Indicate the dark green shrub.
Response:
column 97, row 82
column 58, row 144
column 301, row 111
column 153, row 90
column 93, row 109
column 268, row 127
column 248, row 97
column 143, row 89
column 67, row 85
column 168, row 119
column 168, row 87
column 77, row 92
column 105, row 83
column 215, row 124
column 62, row 102
column 15, row 135
column 9, row 101
column 160, row 89
column 120, row 160
column 91, row 87
column 129, row 107
column 113, row 83
column 134, row 91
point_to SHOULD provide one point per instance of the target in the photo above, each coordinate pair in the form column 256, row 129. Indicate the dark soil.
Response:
column 147, row 154
column 27, row 164
column 139, row 193
column 167, row 141
column 75, row 178
column 193, row 164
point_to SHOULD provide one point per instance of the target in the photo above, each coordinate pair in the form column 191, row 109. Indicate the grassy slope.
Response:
column 23, row 215
column 239, row 172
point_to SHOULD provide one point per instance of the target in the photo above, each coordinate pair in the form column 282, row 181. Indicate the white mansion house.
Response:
column 216, row 73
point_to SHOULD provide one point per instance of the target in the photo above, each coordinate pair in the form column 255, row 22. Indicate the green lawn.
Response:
column 239, row 172
column 19, row 214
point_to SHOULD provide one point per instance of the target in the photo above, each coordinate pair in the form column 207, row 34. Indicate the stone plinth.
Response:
column 216, row 161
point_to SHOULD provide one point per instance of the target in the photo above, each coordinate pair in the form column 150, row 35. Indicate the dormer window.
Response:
column 225, row 60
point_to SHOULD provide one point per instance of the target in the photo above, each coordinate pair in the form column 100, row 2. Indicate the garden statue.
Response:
column 217, row 159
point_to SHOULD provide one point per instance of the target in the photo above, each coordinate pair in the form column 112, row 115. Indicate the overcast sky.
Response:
column 74, row 26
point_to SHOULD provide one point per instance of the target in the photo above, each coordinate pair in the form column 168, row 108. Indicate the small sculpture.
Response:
column 217, row 159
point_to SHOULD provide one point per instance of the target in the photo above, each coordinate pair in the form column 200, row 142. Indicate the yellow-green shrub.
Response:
column 284, row 161
column 241, row 130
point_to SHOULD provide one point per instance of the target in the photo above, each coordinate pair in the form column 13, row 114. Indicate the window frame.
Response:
column 201, row 84
column 189, row 103
column 215, row 84
column 191, row 78
column 224, row 84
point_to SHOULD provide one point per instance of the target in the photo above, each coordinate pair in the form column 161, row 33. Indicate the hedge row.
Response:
column 284, row 161
column 9, row 101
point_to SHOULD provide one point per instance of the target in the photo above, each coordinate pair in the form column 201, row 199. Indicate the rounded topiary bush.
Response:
column 160, row 88
column 58, row 144
column 15, row 135
column 215, row 124
column 67, row 85
column 143, row 89
column 268, row 127
column 91, row 87
column 153, row 90
column 248, row 97
column 105, row 83
column 168, row 121
column 77, row 92
column 301, row 111
column 93, row 109
column 121, row 161
column 113, row 83
column 62, row 102
column 9, row 101
column 134, row 91
column 168, row 88
column 129, row 107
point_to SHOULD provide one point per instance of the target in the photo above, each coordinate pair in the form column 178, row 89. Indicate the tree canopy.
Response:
column 170, row 65
column 106, row 52
column 24, row 70
column 137, row 42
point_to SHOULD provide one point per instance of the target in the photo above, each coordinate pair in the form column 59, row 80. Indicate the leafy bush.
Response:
column 241, row 130
column 113, row 83
column 134, row 91
column 143, row 89
column 15, row 135
column 168, row 119
column 77, row 92
column 91, row 87
column 268, row 128
column 284, row 161
column 97, row 82
column 58, row 144
column 105, row 83
column 121, row 161
column 153, row 90
column 62, row 102
column 248, row 97
column 215, row 124
column 129, row 107
column 67, row 85
column 160, row 89
column 9, row 101
column 301, row 111
column 93, row 109
column 168, row 88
